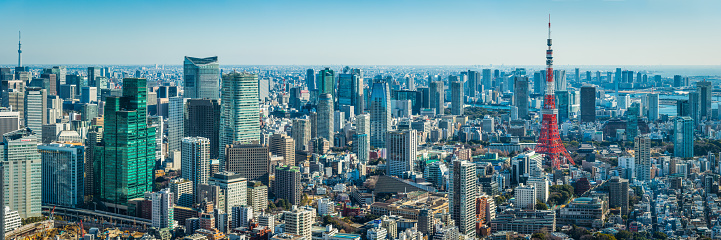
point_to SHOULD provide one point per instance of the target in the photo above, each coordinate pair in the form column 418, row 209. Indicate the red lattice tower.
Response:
column 549, row 141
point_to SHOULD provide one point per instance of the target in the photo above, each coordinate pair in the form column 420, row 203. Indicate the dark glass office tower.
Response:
column 201, row 77
column 203, row 120
column 127, row 151
column 350, row 90
column 588, row 104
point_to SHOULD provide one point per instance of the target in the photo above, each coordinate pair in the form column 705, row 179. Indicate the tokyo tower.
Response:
column 549, row 141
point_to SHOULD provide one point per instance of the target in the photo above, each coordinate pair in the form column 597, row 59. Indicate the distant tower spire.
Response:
column 20, row 51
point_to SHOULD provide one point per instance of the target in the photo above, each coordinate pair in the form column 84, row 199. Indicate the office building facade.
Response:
column 239, row 111
column 63, row 173
column 201, row 77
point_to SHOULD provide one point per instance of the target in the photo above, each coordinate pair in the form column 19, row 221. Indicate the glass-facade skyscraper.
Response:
column 239, row 112
column 201, row 77
column 127, row 151
column 683, row 137
column 63, row 174
column 380, row 108
column 350, row 90
column 326, row 82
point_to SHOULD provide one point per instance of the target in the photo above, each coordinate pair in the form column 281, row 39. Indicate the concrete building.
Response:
column 642, row 149
column 9, row 121
column 36, row 113
column 462, row 196
column 195, row 165
column 618, row 194
column 257, row 196
column 234, row 188
column 525, row 222
column 526, row 196
column 251, row 161
column 401, row 148
column 163, row 209
column 22, row 168
column 287, row 184
column 301, row 134
column 283, row 146
column 541, row 185
column 299, row 221
column 325, row 116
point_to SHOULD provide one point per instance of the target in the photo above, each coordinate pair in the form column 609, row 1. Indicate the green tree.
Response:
column 541, row 206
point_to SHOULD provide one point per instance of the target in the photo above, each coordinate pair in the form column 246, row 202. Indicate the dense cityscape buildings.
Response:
column 206, row 150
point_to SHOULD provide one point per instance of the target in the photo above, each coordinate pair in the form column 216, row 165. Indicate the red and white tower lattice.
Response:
column 549, row 141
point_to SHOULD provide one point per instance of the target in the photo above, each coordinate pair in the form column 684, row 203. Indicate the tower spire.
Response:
column 20, row 51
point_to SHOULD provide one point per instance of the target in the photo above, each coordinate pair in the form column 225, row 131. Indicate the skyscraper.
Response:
column 520, row 96
column 326, row 82
column 694, row 103
column 457, row 98
column 195, row 163
column 201, row 77
column 564, row 107
column 325, row 116
column 401, row 148
column 462, row 196
column 176, row 119
column 239, row 111
column 487, row 80
column 437, row 96
column 251, row 161
column 36, row 109
column 618, row 194
column 652, row 107
column 203, row 120
column 301, row 134
column 588, row 104
column 474, row 83
column 127, row 151
column 380, row 108
column 350, row 90
column 63, row 174
column 310, row 79
column 284, row 146
column 683, row 137
column 22, row 167
column 287, row 184
column 235, row 189
column 642, row 148
column 93, row 73
column 704, row 89
column 361, row 139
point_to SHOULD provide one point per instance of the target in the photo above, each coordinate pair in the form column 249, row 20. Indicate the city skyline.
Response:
column 368, row 33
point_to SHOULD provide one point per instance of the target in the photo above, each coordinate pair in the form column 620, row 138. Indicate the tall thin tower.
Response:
column 549, row 142
column 20, row 51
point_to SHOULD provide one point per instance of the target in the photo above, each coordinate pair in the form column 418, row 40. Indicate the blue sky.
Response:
column 363, row 32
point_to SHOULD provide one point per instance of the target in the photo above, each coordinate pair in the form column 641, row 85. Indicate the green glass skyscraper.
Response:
column 326, row 82
column 239, row 112
column 127, row 151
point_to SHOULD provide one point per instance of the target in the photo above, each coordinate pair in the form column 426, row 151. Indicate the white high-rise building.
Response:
column 361, row 140
column 401, row 147
column 267, row 220
column 176, row 118
column 301, row 134
column 299, row 222
column 526, row 196
column 462, row 196
column 195, row 165
column 233, row 187
column 182, row 190
column 242, row 215
column 11, row 220
column 325, row 206
column 642, row 149
column 163, row 215
column 541, row 185
column 257, row 196
column 22, row 168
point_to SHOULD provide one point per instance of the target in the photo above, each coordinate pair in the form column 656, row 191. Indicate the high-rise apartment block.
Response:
column 401, row 147
column 195, row 155
column 462, row 196
column 287, row 184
